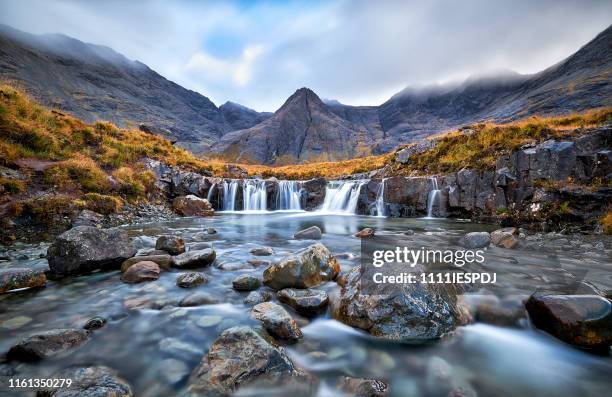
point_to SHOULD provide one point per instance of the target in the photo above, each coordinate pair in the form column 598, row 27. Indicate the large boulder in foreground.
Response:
column 17, row 278
column 95, row 381
column 84, row 249
column 405, row 312
column 192, row 206
column 303, row 269
column 241, row 358
column 45, row 344
column 581, row 320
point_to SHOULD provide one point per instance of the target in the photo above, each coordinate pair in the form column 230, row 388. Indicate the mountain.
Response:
column 303, row 129
column 240, row 117
column 94, row 82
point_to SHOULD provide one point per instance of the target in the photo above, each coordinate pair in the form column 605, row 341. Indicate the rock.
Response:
column 581, row 320
column 315, row 193
column 15, row 322
column 208, row 321
column 505, row 237
column 192, row 206
column 311, row 233
column 46, row 344
column 303, row 269
column 198, row 299
column 173, row 245
column 233, row 266
column 17, row 278
column 277, row 321
column 365, row 233
column 191, row 279
column 177, row 347
column 164, row 261
column 173, row 370
column 307, row 302
column 88, row 218
column 404, row 312
column 477, row 240
column 141, row 271
column 211, row 230
column 258, row 262
column 84, row 249
column 194, row 259
column 360, row 387
column 409, row 232
column 92, row 381
column 419, row 147
column 242, row 358
column 262, row 251
column 199, row 246
column 95, row 323
column 200, row 236
column 245, row 283
column 255, row 297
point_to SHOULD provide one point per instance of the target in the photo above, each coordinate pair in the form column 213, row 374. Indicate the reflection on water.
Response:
column 155, row 344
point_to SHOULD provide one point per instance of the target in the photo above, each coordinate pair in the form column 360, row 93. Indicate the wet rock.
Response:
column 140, row 272
column 238, row 359
column 499, row 314
column 88, row 218
column 17, row 278
column 277, row 321
column 15, row 322
column 307, row 302
column 173, row 245
column 303, row 269
column 314, row 196
column 211, row 230
column 95, row 323
column 46, row 344
column 581, row 320
column 84, row 249
column 409, row 232
column 92, row 381
column 177, row 347
column 198, row 299
column 192, row 206
column 209, row 321
column 191, row 279
column 245, row 282
column 505, row 237
column 200, row 236
column 477, row 240
column 164, row 261
column 258, row 262
column 255, row 297
column 233, row 266
column 173, row 370
column 199, row 246
column 360, row 387
column 311, row 233
column 262, row 251
column 365, row 233
column 194, row 259
column 406, row 312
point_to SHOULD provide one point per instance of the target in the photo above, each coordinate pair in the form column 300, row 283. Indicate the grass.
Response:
column 606, row 222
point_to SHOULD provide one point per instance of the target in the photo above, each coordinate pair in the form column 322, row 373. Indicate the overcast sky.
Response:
column 358, row 52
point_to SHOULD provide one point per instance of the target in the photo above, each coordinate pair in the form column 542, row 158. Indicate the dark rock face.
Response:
column 46, row 344
column 277, row 321
column 314, row 193
column 90, row 382
column 303, row 269
column 359, row 387
column 194, row 259
column 581, row 320
column 238, row 359
column 173, row 245
column 164, row 261
column 240, row 117
column 245, row 283
column 311, row 233
column 405, row 312
column 140, row 272
column 84, row 248
column 192, row 206
column 17, row 278
column 307, row 302
column 191, row 279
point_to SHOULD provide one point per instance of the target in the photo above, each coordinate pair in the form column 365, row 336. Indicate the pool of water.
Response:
column 155, row 346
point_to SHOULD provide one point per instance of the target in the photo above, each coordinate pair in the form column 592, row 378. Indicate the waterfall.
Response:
column 432, row 197
column 288, row 196
column 380, row 199
column 255, row 196
column 229, row 194
column 209, row 195
column 341, row 196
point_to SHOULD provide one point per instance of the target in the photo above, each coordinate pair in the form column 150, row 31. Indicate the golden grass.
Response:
column 606, row 222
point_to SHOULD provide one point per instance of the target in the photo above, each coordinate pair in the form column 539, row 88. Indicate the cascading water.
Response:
column 288, row 196
column 341, row 196
column 229, row 194
column 255, row 196
column 210, row 193
column 380, row 199
column 432, row 197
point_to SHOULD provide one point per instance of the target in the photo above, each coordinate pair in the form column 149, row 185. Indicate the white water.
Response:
column 288, row 197
column 433, row 197
column 255, row 196
column 210, row 192
column 229, row 195
column 380, row 199
column 341, row 196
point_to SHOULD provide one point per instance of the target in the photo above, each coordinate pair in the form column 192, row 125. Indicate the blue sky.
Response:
column 359, row 52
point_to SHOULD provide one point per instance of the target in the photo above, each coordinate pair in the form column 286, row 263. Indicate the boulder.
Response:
column 95, row 381
column 192, row 206
column 475, row 240
column 581, row 320
column 141, row 271
column 505, row 237
column 311, row 233
column 404, row 155
column 17, row 278
column 211, row 230
column 303, row 269
column 198, row 299
column 46, row 344
column 245, row 282
column 194, row 259
column 241, row 358
column 95, row 323
column 84, row 249
column 359, row 387
column 88, row 218
column 164, row 261
column 314, row 193
column 173, row 245
column 255, row 297
column 365, row 233
column 403, row 312
column 262, row 251
column 277, row 321
column 307, row 302
column 191, row 279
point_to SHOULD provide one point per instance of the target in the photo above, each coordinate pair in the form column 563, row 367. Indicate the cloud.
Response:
column 360, row 52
